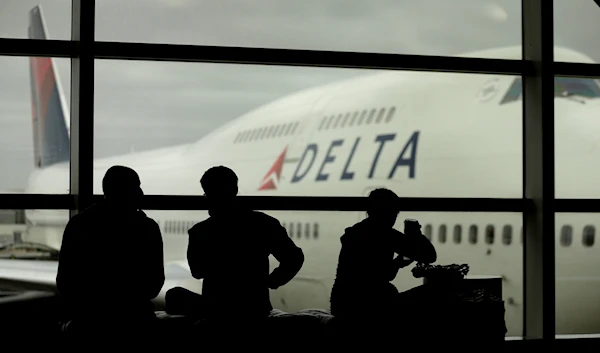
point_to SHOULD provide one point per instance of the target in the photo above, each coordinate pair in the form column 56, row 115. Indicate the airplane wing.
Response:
column 40, row 275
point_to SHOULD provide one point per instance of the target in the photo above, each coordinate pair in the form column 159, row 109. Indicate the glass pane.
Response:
column 313, row 284
column 577, row 284
column 34, row 137
column 575, row 116
column 434, row 27
column 31, row 234
column 173, row 121
column 574, row 28
column 17, row 16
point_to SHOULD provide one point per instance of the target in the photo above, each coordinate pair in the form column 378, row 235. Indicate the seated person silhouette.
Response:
column 230, row 252
column 111, row 262
column 366, row 263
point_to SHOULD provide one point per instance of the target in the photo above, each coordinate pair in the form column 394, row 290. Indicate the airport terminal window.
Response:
column 428, row 231
column 457, row 234
column 489, row 234
column 316, row 230
column 442, row 234
column 390, row 114
column 521, row 235
column 507, row 234
column 589, row 233
column 566, row 235
column 380, row 116
column 473, row 234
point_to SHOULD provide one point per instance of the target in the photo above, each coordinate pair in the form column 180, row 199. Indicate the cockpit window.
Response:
column 563, row 87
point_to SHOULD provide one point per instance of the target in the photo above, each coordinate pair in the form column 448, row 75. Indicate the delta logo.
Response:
column 271, row 179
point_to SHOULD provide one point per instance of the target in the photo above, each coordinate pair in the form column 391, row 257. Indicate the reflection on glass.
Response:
column 24, row 18
column 445, row 28
column 34, row 120
column 577, row 264
column 420, row 134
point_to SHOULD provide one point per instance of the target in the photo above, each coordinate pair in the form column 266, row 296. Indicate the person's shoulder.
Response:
column 396, row 232
column 264, row 218
column 200, row 227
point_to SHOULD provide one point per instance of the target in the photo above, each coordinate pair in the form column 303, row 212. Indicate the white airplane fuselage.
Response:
column 448, row 136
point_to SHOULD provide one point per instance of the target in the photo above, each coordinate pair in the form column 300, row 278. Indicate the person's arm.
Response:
column 290, row 257
column 398, row 263
column 195, row 256
column 416, row 247
column 156, row 265
column 66, row 276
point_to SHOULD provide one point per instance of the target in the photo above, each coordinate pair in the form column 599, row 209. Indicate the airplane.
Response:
column 421, row 134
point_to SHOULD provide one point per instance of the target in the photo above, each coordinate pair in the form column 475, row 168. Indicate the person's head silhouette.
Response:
column 121, row 188
column 220, row 185
column 383, row 207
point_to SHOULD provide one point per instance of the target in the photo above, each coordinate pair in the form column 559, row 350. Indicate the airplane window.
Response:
column 263, row 133
column 489, row 234
column 283, row 225
column 307, row 230
column 291, row 229
column 354, row 116
column 380, row 116
column 316, row 230
column 371, row 116
column 507, row 234
column 337, row 121
column 237, row 137
column 295, row 127
column 428, row 231
column 277, row 131
column 362, row 117
column 345, row 119
column 390, row 114
column 442, row 234
column 457, row 234
column 298, row 230
column 251, row 135
column 329, row 120
column 322, row 123
column 473, row 234
column 589, row 233
column 566, row 235
column 270, row 132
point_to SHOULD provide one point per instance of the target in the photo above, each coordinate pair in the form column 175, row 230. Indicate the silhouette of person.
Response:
column 111, row 261
column 366, row 263
column 230, row 252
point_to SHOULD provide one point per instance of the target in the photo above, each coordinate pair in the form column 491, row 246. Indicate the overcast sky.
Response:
column 181, row 102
